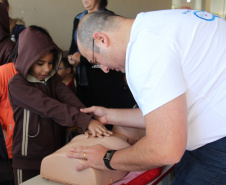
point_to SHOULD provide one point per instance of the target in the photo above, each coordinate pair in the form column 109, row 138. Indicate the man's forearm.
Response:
column 164, row 143
column 126, row 117
column 140, row 157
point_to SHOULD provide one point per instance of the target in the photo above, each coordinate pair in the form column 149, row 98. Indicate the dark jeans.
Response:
column 203, row 166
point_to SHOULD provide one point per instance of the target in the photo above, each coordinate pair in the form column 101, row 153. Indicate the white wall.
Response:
column 57, row 15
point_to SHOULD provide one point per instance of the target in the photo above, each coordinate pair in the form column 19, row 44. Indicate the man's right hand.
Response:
column 99, row 113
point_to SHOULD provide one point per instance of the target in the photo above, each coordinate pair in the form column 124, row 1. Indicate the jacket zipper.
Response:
column 47, row 91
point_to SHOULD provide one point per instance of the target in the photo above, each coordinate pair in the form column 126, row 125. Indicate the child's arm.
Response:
column 22, row 94
column 65, row 95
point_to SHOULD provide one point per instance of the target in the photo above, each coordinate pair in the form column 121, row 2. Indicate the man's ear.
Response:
column 101, row 40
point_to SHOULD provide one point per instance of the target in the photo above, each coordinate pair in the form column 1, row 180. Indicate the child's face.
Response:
column 62, row 71
column 42, row 67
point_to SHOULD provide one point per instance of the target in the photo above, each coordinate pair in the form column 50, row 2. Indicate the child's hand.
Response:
column 95, row 128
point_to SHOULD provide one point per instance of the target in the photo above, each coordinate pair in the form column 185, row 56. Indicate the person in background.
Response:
column 93, row 86
column 6, row 45
column 16, row 25
column 42, row 105
column 175, row 66
column 66, row 72
column 7, row 71
column 90, row 6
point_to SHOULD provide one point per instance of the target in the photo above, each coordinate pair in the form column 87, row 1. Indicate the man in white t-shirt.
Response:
column 175, row 65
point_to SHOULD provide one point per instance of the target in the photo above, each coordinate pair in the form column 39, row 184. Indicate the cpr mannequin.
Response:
column 57, row 167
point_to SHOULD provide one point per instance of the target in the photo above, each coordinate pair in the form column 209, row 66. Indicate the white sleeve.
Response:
column 153, row 71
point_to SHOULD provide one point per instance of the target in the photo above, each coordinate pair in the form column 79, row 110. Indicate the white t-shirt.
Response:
column 175, row 51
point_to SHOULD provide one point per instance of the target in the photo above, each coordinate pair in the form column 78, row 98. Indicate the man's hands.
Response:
column 95, row 128
column 122, row 117
column 93, row 155
column 100, row 113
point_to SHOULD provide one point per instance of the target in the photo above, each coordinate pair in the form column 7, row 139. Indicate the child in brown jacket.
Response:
column 42, row 105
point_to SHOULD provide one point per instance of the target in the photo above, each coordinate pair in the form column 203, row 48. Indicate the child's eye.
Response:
column 51, row 62
column 39, row 64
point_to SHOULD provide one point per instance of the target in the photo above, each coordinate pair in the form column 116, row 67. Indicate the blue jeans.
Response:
column 203, row 166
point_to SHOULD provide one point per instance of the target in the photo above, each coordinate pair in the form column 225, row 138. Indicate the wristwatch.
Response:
column 107, row 158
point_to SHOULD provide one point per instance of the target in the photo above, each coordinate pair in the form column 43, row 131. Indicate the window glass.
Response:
column 216, row 7
column 187, row 4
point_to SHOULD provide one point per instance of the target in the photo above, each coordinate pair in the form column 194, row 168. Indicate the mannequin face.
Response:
column 91, row 5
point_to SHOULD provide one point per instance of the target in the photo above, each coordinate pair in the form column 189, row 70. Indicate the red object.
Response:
column 145, row 177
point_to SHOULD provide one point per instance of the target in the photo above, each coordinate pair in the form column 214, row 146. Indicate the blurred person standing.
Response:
column 93, row 86
column 66, row 72
column 7, row 71
column 6, row 45
column 16, row 25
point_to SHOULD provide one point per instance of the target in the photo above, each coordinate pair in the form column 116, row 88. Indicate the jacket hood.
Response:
column 33, row 45
column 4, row 22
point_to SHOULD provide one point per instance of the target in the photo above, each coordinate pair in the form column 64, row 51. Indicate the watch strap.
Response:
column 108, row 159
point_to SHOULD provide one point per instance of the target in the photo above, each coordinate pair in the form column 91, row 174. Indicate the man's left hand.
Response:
column 92, row 154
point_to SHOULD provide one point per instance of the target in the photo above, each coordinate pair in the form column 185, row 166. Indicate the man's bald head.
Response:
column 93, row 22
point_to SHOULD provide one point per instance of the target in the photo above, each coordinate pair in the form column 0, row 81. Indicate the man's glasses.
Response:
column 94, row 63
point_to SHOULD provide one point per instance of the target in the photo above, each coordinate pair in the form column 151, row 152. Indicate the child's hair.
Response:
column 67, row 64
column 14, row 54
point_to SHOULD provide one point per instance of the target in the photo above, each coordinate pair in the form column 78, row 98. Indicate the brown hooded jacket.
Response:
column 41, row 108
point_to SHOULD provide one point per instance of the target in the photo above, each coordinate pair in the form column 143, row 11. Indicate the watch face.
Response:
column 107, row 155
